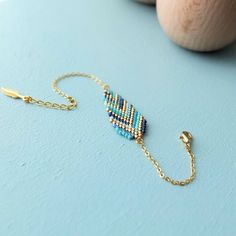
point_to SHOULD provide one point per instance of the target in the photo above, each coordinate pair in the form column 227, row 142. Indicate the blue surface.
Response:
column 69, row 173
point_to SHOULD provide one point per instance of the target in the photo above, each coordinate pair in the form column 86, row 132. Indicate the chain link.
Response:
column 72, row 101
column 161, row 172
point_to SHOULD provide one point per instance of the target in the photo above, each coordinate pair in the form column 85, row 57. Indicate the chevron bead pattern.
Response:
column 125, row 119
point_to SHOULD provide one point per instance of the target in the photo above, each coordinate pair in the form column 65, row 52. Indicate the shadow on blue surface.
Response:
column 144, row 4
column 226, row 55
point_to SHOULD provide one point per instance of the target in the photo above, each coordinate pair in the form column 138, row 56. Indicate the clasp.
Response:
column 186, row 137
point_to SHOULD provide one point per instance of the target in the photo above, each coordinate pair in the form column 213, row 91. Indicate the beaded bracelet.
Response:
column 126, row 120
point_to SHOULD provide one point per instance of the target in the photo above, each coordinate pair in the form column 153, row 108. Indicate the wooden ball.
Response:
column 201, row 25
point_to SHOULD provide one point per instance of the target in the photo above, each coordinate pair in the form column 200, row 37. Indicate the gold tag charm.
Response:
column 11, row 93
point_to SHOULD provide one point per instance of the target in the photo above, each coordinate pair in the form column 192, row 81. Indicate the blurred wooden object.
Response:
column 201, row 25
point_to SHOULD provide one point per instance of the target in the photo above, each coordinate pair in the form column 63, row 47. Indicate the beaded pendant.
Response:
column 127, row 121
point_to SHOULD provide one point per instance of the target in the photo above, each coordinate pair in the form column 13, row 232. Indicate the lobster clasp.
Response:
column 186, row 137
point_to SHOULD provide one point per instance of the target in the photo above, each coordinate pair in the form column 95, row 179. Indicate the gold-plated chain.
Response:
column 72, row 101
column 186, row 138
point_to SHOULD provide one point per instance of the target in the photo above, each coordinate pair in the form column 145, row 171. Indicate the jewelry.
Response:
column 126, row 120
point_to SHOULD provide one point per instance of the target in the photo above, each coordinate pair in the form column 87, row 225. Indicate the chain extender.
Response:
column 71, row 100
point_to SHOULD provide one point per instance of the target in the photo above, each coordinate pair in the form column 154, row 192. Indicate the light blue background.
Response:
column 69, row 173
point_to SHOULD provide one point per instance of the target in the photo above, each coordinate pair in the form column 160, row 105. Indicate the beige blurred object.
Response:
column 148, row 1
column 201, row 25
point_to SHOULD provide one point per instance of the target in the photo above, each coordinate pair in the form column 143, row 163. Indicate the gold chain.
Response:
column 186, row 138
column 72, row 101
